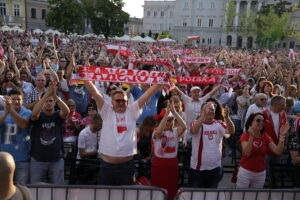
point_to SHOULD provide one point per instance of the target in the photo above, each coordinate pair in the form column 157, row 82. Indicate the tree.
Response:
column 247, row 24
column 65, row 15
column 106, row 16
column 272, row 27
column 229, row 17
column 150, row 33
column 142, row 35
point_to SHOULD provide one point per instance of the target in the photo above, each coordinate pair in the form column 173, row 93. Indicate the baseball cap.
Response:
column 195, row 88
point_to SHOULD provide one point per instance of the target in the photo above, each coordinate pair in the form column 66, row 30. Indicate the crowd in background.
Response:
column 116, row 122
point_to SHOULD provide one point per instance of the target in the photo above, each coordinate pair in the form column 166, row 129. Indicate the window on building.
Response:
column 33, row 13
column 284, row 45
column 184, row 22
column 210, row 22
column 171, row 13
column 17, row 10
column 44, row 14
column 209, row 41
column 186, row 5
column 154, row 26
column 199, row 22
column 155, row 13
column 161, row 27
column 162, row 13
column 203, row 41
column 148, row 13
column 200, row 5
column 212, row 5
column 2, row 8
column 292, row 44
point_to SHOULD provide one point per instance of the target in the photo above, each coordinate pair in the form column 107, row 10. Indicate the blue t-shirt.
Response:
column 13, row 139
column 150, row 107
column 81, row 96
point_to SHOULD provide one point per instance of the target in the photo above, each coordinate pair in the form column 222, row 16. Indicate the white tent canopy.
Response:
column 166, row 40
column 124, row 38
column 5, row 28
column 137, row 39
column 16, row 28
column 38, row 31
column 50, row 31
column 149, row 39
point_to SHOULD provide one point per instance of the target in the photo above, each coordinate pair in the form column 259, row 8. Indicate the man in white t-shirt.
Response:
column 118, row 142
column 258, row 106
column 88, row 139
column 192, row 104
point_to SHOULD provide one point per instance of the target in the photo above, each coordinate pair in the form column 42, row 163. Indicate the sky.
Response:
column 134, row 8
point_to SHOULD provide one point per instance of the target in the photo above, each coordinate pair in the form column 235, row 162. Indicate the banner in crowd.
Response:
column 193, row 38
column 182, row 51
column 200, row 60
column 156, row 61
column 107, row 74
column 197, row 80
column 222, row 71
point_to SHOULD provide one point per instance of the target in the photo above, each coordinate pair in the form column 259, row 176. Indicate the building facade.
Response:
column 134, row 27
column 37, row 11
column 13, row 13
column 204, row 18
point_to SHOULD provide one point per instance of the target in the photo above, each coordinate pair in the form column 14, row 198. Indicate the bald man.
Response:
column 7, row 188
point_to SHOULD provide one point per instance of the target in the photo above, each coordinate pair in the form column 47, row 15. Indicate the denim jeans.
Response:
column 21, row 175
column 40, row 170
column 205, row 178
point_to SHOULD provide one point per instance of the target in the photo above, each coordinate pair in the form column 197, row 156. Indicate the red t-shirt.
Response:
column 256, row 161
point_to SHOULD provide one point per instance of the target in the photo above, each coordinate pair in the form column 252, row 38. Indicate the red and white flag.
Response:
column 193, row 38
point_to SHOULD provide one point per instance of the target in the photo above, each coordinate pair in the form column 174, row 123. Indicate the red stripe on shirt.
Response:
column 200, row 149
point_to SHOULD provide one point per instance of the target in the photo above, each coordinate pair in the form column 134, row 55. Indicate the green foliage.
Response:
column 247, row 24
column 142, row 35
column 228, row 19
column 106, row 16
column 150, row 33
column 279, row 8
column 272, row 27
column 65, row 15
column 156, row 36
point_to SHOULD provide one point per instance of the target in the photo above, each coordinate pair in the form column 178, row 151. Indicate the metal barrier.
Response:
column 54, row 192
column 237, row 194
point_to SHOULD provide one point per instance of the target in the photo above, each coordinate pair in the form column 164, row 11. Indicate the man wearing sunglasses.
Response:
column 258, row 106
column 118, row 142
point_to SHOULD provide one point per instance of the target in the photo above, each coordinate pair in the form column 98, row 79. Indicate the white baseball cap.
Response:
column 195, row 88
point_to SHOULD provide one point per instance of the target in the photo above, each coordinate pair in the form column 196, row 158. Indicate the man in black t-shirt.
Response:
column 47, row 138
column 7, row 188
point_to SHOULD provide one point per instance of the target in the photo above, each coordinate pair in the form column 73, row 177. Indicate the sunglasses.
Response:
column 260, row 120
column 120, row 100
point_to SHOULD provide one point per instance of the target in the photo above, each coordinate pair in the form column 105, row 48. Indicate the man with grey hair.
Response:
column 258, row 106
column 7, row 188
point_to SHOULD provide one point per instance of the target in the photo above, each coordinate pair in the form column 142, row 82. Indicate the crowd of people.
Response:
column 43, row 108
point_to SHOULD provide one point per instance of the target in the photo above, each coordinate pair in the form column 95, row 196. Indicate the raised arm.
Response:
column 283, row 132
column 228, row 121
column 95, row 93
column 39, row 105
column 20, row 121
column 154, row 88
column 160, row 129
column 64, row 109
